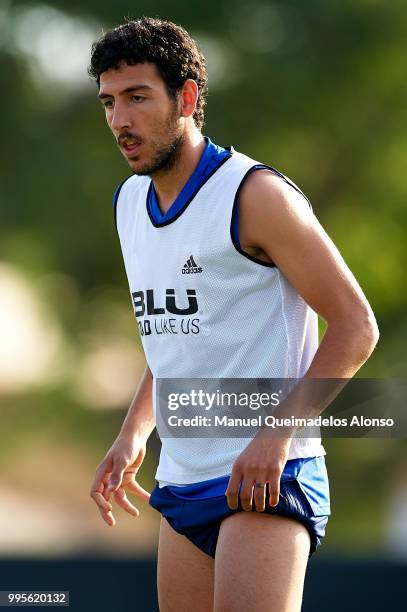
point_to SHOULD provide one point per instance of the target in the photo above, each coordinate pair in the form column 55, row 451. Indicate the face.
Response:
column 144, row 120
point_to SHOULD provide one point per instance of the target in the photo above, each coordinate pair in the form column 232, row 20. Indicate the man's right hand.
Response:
column 117, row 472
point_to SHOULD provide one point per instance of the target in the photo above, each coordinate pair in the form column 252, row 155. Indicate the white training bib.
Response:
column 206, row 310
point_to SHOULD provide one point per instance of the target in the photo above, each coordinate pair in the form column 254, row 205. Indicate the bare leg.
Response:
column 185, row 574
column 260, row 563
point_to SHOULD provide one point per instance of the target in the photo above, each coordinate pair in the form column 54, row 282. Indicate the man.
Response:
column 228, row 268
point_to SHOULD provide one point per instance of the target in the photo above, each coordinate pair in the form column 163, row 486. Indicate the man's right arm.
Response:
column 118, row 469
column 140, row 420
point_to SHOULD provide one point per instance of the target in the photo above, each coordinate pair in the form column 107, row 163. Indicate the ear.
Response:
column 189, row 98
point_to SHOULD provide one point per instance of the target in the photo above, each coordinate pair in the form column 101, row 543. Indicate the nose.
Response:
column 120, row 118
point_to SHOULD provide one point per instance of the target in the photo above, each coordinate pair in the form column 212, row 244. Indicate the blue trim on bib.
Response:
column 211, row 158
column 234, row 223
column 116, row 198
column 235, row 213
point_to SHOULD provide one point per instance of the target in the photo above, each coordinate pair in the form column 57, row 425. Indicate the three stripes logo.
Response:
column 190, row 267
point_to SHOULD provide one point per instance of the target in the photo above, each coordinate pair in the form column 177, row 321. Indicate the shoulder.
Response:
column 126, row 189
column 263, row 188
column 268, row 203
column 124, row 197
column 130, row 183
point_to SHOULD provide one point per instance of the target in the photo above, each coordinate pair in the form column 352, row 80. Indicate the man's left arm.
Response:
column 277, row 219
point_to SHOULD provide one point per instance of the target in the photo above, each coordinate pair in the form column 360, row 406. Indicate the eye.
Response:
column 137, row 98
column 107, row 103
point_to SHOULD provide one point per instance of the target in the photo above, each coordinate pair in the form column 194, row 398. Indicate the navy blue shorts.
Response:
column 196, row 511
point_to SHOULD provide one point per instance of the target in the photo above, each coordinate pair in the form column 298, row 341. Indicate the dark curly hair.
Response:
column 167, row 45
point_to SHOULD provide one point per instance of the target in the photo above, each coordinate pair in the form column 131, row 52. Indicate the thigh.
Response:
column 260, row 563
column 185, row 574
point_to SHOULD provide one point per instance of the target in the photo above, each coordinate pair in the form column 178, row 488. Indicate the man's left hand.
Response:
column 261, row 462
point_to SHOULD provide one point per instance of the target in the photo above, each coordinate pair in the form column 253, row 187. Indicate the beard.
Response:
column 165, row 153
column 164, row 158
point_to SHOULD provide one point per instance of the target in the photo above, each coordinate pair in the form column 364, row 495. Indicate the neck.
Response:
column 169, row 183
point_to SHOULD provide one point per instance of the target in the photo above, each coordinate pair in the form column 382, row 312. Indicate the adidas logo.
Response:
column 190, row 266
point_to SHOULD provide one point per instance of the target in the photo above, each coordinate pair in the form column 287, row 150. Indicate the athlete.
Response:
column 228, row 269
